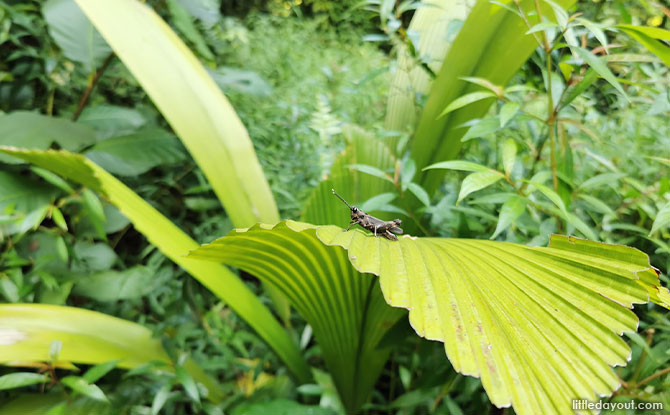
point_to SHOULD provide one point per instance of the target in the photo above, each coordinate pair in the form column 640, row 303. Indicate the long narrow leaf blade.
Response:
column 191, row 102
column 88, row 337
column 173, row 242
column 195, row 107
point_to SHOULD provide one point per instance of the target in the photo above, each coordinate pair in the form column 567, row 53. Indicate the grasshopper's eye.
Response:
column 354, row 209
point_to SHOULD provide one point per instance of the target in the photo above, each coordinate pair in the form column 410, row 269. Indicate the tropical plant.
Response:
column 548, row 336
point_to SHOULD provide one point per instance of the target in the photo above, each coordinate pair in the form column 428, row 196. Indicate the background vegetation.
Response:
column 571, row 145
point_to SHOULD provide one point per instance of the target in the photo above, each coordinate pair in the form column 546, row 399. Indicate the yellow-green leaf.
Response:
column 195, row 107
column 509, row 155
column 466, row 99
column 191, row 102
column 173, row 242
column 477, row 181
column 510, row 211
column 540, row 326
column 89, row 337
column 651, row 38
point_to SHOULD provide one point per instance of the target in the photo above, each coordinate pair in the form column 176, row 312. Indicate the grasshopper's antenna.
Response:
column 345, row 202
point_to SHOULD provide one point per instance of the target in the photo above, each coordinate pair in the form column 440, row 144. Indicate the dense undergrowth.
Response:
column 299, row 81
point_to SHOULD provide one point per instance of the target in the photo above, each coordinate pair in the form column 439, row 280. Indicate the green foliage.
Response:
column 557, row 149
column 293, row 123
column 74, row 34
column 516, row 332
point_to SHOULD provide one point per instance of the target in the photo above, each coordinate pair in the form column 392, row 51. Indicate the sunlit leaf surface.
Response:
column 540, row 326
column 27, row 332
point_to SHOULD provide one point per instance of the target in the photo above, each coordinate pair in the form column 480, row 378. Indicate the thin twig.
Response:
column 91, row 85
column 652, row 377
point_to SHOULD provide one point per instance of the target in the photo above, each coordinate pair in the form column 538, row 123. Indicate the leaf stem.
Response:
column 643, row 355
column 652, row 377
column 91, row 84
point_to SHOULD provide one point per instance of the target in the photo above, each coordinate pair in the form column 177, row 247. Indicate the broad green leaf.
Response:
column 321, row 283
column 137, row 153
column 352, row 352
column 540, row 326
column 457, row 165
column 651, row 38
column 34, row 131
column 477, row 181
column 173, row 243
column 80, row 385
column 19, row 379
column 86, row 336
column 467, row 99
column 110, row 285
column 26, row 200
column 491, row 45
column 21, row 194
column 510, row 211
column 600, row 67
column 91, row 257
column 74, row 33
column 662, row 219
column 111, row 120
column 509, row 155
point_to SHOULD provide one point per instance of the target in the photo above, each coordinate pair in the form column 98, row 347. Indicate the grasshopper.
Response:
column 375, row 225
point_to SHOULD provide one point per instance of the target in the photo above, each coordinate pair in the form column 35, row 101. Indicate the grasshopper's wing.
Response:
column 377, row 222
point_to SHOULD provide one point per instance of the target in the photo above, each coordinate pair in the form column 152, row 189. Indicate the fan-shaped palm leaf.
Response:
column 540, row 326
